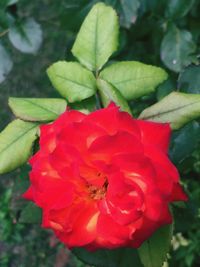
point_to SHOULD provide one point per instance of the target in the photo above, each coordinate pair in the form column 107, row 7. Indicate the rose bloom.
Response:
column 103, row 180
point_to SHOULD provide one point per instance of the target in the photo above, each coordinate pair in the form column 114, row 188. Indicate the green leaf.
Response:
column 189, row 80
column 37, row 109
column 153, row 252
column 86, row 106
column 165, row 88
column 133, row 79
column 3, row 4
column 124, row 257
column 185, row 142
column 154, row 6
column 176, row 109
column 73, row 81
column 178, row 8
column 31, row 214
column 97, row 38
column 129, row 9
column 6, row 63
column 12, row 2
column 3, row 22
column 177, row 48
column 15, row 144
column 26, row 36
column 108, row 93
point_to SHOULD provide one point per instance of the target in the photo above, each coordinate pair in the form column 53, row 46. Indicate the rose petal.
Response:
column 178, row 194
column 113, row 234
column 105, row 147
column 84, row 229
column 157, row 134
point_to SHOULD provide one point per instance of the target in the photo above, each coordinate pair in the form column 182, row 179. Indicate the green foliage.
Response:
column 189, row 136
column 153, row 251
column 109, row 93
column 73, row 81
column 134, row 79
column 178, row 8
column 5, row 63
column 86, row 106
column 189, row 80
column 176, row 109
column 129, row 9
column 23, row 242
column 31, row 214
column 16, row 141
column 97, row 38
column 37, row 109
column 187, row 254
column 26, row 36
column 124, row 257
column 177, row 49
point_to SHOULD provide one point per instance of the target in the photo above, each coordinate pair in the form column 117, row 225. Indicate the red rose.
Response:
column 104, row 180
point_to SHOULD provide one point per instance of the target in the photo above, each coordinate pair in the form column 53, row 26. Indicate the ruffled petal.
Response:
column 105, row 118
column 110, row 233
column 156, row 134
column 178, row 194
column 105, row 147
column 84, row 229
column 29, row 194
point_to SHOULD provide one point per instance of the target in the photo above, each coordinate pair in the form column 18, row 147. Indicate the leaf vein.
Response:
column 72, row 81
column 171, row 110
column 42, row 107
column 16, row 139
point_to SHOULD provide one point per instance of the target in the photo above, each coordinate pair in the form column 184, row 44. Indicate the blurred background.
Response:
column 33, row 35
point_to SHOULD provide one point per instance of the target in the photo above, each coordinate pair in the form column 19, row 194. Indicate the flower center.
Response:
column 98, row 192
